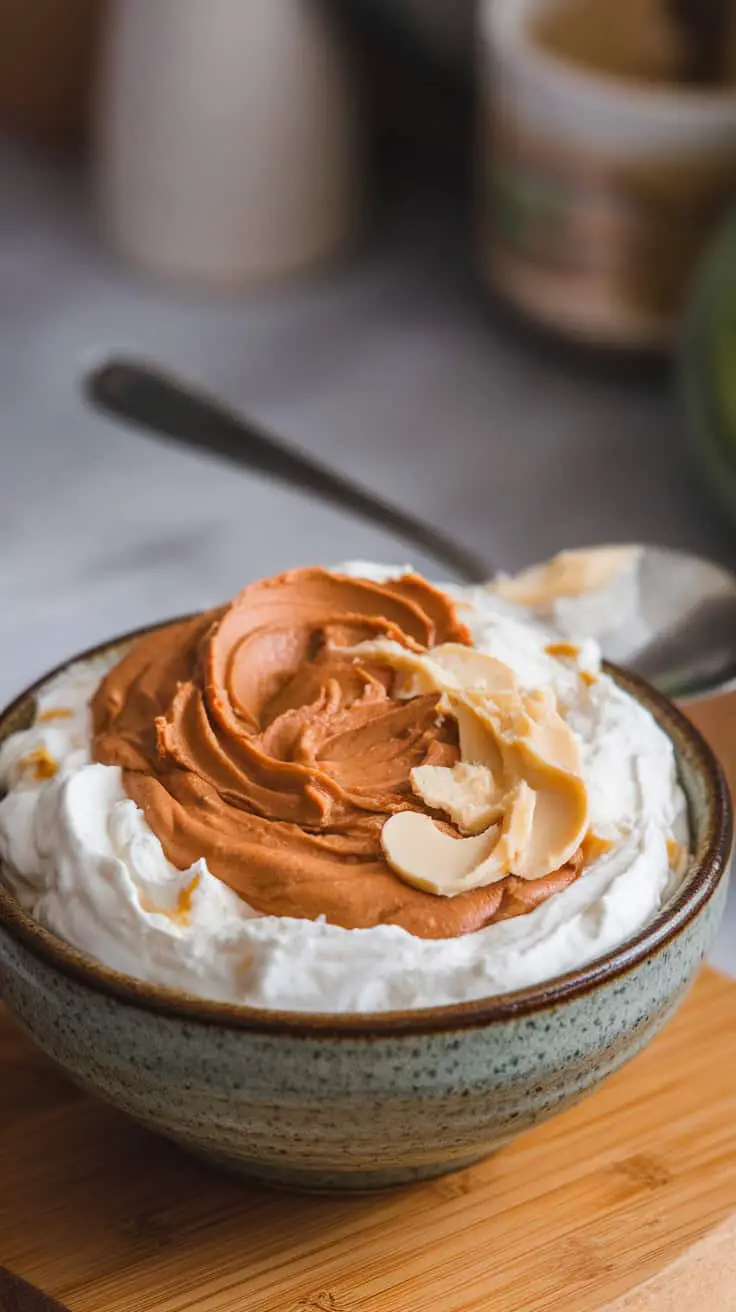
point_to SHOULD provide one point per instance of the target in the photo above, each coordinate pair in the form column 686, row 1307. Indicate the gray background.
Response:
column 392, row 367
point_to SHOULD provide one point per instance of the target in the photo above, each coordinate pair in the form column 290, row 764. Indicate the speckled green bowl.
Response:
column 368, row 1101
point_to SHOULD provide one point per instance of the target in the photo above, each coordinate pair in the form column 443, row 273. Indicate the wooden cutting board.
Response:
column 715, row 717
column 626, row 1203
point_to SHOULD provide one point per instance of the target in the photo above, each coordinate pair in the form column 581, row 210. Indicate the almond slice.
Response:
column 449, row 667
column 520, row 768
column 517, row 790
column 468, row 793
column 431, row 860
column 570, row 574
column 474, row 671
column 542, row 750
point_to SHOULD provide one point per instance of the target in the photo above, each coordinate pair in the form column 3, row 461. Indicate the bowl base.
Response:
column 349, row 1183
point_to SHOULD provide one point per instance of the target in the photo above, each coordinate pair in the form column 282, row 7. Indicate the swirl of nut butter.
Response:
column 276, row 737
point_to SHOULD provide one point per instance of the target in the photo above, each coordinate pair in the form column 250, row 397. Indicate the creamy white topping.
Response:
column 592, row 593
column 81, row 858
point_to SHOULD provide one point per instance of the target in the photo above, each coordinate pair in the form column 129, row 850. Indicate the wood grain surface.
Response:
column 620, row 1204
column 17, row 1295
column 716, row 719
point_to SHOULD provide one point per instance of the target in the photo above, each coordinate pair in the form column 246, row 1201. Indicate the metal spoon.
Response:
column 169, row 408
column 685, row 644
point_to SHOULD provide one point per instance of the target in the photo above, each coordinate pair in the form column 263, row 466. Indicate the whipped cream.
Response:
column 82, row 860
column 590, row 593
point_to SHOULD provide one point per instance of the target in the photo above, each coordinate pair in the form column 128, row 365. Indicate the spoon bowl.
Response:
column 686, row 645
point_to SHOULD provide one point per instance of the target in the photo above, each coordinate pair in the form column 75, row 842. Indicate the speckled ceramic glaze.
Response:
column 356, row 1102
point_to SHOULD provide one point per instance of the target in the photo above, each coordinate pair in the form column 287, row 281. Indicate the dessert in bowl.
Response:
column 347, row 882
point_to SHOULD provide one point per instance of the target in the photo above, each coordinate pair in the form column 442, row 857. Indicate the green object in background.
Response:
column 708, row 366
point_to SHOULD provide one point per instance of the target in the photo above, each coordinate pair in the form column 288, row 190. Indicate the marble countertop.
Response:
column 391, row 367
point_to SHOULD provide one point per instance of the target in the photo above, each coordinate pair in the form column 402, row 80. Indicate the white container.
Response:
column 228, row 137
column 598, row 192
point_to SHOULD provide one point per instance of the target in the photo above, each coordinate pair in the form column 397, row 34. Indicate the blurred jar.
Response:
column 228, row 141
column 601, row 177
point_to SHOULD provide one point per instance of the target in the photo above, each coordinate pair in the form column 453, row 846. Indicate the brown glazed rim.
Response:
column 709, row 866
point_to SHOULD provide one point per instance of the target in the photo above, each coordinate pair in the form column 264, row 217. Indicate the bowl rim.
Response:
column 709, row 866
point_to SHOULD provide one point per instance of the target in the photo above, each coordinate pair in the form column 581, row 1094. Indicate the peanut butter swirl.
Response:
column 251, row 737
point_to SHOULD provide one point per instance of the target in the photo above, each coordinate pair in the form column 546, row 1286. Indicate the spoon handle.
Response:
column 168, row 408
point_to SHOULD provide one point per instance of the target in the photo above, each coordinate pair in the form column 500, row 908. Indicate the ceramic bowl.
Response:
column 368, row 1101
